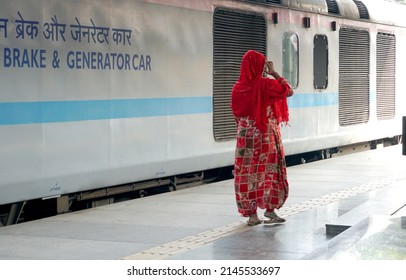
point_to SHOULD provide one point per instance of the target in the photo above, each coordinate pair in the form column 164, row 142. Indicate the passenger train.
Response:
column 100, row 98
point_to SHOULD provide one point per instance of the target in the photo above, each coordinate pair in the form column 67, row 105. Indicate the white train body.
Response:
column 103, row 93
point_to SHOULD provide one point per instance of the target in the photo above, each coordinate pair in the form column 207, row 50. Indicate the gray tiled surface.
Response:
column 127, row 228
column 374, row 238
column 305, row 232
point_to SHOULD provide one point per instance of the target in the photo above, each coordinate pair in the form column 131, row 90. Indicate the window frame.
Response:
column 291, row 58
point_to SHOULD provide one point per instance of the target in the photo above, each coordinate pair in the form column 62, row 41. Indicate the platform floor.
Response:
column 202, row 223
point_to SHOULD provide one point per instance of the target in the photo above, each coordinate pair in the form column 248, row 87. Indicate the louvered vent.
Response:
column 266, row 1
column 333, row 7
column 354, row 49
column 257, row 1
column 363, row 11
column 385, row 79
column 234, row 34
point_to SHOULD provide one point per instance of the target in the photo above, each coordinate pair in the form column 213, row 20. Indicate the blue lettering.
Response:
column 16, row 57
column 34, row 56
column 113, row 61
column 141, row 65
column 28, row 58
column 85, row 59
column 79, row 60
column 107, row 64
column 127, row 62
column 120, row 61
column 70, row 61
column 105, row 61
column 43, row 58
column 100, row 61
column 148, row 63
column 7, row 57
column 135, row 58
column 94, row 60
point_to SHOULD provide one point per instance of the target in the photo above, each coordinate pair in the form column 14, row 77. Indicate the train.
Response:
column 104, row 98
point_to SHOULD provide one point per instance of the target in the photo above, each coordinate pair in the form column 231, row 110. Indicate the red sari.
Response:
column 259, row 105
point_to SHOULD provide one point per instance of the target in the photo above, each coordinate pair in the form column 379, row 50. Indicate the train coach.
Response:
column 104, row 98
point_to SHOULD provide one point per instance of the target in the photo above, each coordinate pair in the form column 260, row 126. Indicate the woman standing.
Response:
column 259, row 105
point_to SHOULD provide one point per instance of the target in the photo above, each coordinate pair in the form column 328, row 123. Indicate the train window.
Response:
column 234, row 33
column 353, row 84
column 320, row 62
column 385, row 75
column 290, row 58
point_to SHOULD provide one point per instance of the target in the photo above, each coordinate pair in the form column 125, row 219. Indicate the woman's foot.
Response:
column 253, row 220
column 273, row 218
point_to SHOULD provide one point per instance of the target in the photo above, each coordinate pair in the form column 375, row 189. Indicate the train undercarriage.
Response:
column 25, row 211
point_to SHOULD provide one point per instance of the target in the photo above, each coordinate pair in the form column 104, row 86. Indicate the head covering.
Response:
column 252, row 93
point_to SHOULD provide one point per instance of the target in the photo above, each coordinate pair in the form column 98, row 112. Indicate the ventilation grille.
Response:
column 333, row 7
column 266, row 1
column 385, row 79
column 354, row 51
column 234, row 34
column 363, row 11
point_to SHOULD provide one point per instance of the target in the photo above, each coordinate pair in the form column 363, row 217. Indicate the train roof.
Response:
column 373, row 10
column 386, row 12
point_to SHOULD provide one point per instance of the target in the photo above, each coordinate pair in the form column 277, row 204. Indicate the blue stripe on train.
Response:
column 305, row 100
column 14, row 113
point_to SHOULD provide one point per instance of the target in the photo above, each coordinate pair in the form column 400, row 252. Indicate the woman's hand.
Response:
column 269, row 68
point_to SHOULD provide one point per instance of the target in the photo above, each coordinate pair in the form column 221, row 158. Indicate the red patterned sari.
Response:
column 259, row 105
column 259, row 170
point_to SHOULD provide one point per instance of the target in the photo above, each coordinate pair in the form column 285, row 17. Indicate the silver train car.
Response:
column 99, row 98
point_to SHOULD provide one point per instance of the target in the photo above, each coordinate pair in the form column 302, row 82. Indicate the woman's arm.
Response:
column 270, row 70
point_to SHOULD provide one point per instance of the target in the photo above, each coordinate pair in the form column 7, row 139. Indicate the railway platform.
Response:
column 346, row 207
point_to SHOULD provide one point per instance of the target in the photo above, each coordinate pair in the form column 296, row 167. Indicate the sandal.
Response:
column 273, row 218
column 254, row 220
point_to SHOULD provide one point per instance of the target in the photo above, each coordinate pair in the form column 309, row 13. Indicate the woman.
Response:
column 259, row 105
